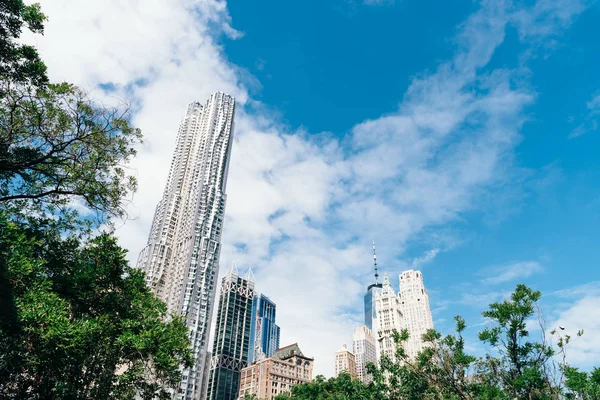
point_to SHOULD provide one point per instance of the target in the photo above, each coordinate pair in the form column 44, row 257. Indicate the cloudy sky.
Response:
column 461, row 136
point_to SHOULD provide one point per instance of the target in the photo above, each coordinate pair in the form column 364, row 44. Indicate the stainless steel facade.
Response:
column 181, row 259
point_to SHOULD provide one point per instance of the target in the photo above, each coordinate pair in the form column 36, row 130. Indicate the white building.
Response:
column 345, row 361
column 408, row 310
column 181, row 259
column 416, row 313
column 389, row 318
column 363, row 346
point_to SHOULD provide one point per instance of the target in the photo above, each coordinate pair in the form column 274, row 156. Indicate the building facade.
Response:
column 345, row 362
column 232, row 337
column 413, row 301
column 181, row 258
column 389, row 318
column 272, row 376
column 363, row 347
column 264, row 332
column 408, row 310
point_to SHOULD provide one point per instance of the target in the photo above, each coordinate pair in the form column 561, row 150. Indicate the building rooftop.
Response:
column 289, row 351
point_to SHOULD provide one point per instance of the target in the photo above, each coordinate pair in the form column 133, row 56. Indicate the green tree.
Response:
column 20, row 63
column 80, row 323
column 58, row 146
column 516, row 367
column 582, row 385
column 76, row 322
column 522, row 361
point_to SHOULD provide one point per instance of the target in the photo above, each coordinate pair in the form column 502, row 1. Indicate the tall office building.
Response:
column 232, row 336
column 363, row 347
column 181, row 259
column 345, row 362
column 389, row 317
column 372, row 291
column 416, row 313
column 408, row 310
column 264, row 333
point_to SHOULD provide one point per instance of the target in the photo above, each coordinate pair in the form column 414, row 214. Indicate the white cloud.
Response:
column 511, row 272
column 302, row 208
column 428, row 257
column 582, row 351
column 591, row 120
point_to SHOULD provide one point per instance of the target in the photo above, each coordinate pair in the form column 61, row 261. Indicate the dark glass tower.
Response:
column 264, row 333
column 375, row 288
column 370, row 312
column 232, row 337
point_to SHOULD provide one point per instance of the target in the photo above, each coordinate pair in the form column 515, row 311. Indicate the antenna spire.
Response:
column 375, row 264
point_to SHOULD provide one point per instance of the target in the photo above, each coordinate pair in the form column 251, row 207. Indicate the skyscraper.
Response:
column 408, row 310
column 264, row 333
column 413, row 301
column 345, row 362
column 181, row 259
column 372, row 291
column 389, row 318
column 232, row 337
column 363, row 347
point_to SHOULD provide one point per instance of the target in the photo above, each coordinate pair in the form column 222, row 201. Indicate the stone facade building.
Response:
column 275, row 375
column 345, row 362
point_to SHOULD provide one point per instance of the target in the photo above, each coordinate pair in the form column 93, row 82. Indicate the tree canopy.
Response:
column 76, row 321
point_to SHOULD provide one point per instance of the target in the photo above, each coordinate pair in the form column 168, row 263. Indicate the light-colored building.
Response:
column 232, row 336
column 389, row 318
column 272, row 376
column 408, row 310
column 363, row 347
column 345, row 362
column 181, row 259
column 416, row 313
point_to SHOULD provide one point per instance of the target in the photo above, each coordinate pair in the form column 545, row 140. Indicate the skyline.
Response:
column 492, row 186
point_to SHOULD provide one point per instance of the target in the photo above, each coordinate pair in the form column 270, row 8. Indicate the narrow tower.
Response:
column 232, row 336
column 181, row 259
column 264, row 333
column 389, row 317
column 413, row 301
column 363, row 347
column 372, row 290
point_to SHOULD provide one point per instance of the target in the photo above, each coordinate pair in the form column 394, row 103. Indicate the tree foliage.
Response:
column 79, row 322
column 20, row 63
column 76, row 322
column 58, row 146
column 516, row 366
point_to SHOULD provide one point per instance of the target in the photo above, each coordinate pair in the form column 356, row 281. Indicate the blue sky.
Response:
column 461, row 136
column 325, row 66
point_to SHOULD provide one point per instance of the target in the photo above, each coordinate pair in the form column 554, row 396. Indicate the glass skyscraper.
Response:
column 370, row 312
column 232, row 337
column 264, row 333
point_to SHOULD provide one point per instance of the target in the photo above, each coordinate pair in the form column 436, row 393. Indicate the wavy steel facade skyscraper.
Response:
column 181, row 259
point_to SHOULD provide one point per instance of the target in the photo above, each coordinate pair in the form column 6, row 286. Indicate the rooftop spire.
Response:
column 250, row 275
column 375, row 264
column 233, row 270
